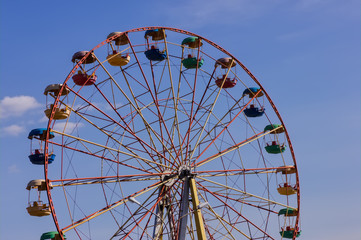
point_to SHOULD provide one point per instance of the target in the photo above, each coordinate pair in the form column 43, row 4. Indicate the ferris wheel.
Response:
column 159, row 133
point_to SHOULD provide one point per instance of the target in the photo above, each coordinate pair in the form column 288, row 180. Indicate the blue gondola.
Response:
column 154, row 54
column 41, row 133
column 38, row 158
column 253, row 111
column 252, row 91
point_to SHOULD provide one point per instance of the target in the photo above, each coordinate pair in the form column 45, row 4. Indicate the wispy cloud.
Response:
column 294, row 35
column 67, row 127
column 44, row 119
column 17, row 106
column 199, row 13
column 13, row 169
column 196, row 14
column 12, row 130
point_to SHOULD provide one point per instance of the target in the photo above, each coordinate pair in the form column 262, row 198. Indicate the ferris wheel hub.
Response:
column 184, row 171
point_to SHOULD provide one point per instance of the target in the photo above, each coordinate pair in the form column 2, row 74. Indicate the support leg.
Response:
column 201, row 233
column 184, row 208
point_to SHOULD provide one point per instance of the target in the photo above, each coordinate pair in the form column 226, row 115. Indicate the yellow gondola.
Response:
column 38, row 209
column 60, row 113
column 116, row 59
column 286, row 189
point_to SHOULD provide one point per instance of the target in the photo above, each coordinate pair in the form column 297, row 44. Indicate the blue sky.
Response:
column 306, row 54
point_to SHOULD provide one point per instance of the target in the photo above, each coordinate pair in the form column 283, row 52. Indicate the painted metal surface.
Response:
column 169, row 163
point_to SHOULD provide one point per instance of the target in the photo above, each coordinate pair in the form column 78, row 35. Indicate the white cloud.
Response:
column 17, row 106
column 44, row 119
column 68, row 126
column 13, row 130
column 13, row 169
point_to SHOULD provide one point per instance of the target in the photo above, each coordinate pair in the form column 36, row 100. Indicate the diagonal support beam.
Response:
column 201, row 233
